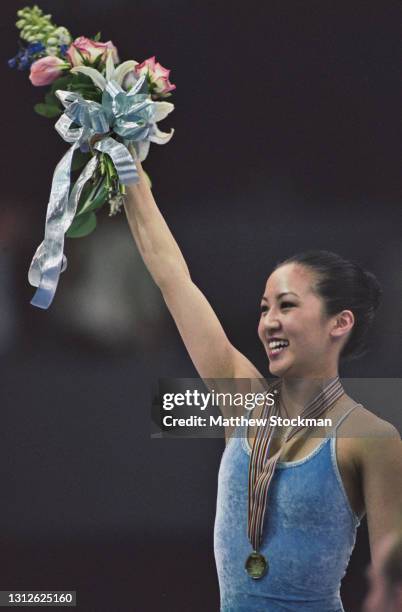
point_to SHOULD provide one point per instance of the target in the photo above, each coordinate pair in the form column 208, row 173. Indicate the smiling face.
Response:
column 296, row 333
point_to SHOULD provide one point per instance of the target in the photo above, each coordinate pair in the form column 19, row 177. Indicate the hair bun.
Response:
column 374, row 288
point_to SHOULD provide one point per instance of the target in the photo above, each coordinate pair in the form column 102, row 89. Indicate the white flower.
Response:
column 115, row 203
column 112, row 74
column 157, row 136
column 162, row 109
column 63, row 36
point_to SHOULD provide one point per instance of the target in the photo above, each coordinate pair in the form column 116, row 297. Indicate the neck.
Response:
column 296, row 393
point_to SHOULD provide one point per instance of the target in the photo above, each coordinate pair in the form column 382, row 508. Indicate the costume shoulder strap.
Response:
column 344, row 416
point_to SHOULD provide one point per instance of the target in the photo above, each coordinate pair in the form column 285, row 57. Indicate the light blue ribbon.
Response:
column 130, row 116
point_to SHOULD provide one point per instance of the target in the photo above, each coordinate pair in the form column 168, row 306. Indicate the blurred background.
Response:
column 288, row 137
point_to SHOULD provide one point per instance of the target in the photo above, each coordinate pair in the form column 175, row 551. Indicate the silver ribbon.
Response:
column 130, row 116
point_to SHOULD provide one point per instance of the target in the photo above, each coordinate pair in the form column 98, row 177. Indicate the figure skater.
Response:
column 289, row 500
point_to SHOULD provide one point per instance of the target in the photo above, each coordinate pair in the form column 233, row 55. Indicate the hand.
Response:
column 144, row 178
column 144, row 181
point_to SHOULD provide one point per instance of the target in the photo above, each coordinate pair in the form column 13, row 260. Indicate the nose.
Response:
column 271, row 322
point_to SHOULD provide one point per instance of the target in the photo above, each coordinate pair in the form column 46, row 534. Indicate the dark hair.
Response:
column 344, row 285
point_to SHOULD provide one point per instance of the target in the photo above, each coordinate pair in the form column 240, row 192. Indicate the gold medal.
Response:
column 256, row 565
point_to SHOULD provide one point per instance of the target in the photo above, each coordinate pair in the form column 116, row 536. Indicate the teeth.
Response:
column 278, row 343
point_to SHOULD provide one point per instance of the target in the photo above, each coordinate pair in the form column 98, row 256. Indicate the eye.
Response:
column 287, row 304
column 264, row 308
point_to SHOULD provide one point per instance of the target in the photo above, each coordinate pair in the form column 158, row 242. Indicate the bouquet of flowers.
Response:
column 108, row 111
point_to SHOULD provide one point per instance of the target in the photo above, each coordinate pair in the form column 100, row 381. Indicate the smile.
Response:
column 275, row 347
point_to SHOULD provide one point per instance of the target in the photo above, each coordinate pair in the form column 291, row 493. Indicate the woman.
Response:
column 302, row 521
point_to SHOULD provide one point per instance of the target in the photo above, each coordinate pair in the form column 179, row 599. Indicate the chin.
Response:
column 286, row 368
column 277, row 369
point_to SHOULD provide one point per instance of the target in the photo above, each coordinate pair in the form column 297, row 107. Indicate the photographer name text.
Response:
column 241, row 421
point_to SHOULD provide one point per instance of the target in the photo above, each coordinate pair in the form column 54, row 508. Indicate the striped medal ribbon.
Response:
column 262, row 468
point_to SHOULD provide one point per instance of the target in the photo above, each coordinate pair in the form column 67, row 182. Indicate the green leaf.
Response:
column 76, row 84
column 82, row 89
column 51, row 100
column 47, row 111
column 85, row 194
column 90, row 205
column 81, row 83
column 79, row 77
column 82, row 226
column 79, row 160
column 97, row 37
column 97, row 63
column 61, row 83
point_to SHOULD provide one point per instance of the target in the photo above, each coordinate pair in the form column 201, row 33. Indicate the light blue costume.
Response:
column 309, row 532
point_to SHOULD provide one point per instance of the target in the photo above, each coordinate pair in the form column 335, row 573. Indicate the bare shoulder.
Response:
column 374, row 439
column 363, row 423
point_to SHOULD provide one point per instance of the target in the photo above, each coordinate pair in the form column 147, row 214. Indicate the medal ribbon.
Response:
column 262, row 468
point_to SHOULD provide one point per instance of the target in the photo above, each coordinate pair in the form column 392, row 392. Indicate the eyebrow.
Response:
column 281, row 295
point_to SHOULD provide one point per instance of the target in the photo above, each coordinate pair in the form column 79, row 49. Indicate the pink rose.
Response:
column 158, row 75
column 46, row 70
column 84, row 48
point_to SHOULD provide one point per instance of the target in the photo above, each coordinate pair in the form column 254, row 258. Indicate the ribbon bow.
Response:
column 129, row 115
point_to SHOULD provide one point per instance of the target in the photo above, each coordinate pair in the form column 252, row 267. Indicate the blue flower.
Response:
column 23, row 65
column 25, row 61
column 35, row 47
column 26, row 55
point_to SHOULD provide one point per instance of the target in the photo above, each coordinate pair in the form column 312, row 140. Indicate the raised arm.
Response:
column 208, row 346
